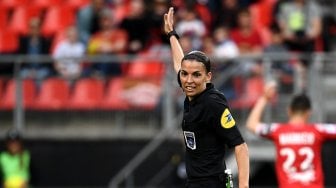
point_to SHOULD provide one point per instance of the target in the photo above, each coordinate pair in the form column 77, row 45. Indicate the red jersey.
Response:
column 298, row 152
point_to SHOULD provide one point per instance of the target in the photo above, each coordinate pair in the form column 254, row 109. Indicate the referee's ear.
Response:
column 208, row 77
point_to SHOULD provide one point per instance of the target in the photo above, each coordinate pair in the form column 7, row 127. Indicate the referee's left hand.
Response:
column 169, row 20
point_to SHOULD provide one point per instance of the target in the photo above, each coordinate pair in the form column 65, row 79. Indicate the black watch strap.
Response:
column 171, row 33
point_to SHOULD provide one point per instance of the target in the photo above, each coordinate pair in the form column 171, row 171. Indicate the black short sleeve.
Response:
column 223, row 122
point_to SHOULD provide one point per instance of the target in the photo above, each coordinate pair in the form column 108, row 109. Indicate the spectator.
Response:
column 225, row 47
column 227, row 15
column 282, row 69
column 189, row 24
column 137, row 24
column 245, row 36
column 159, row 7
column 225, row 50
column 15, row 162
column 248, row 41
column 208, row 46
column 72, row 49
column 186, row 43
column 35, row 44
column 300, row 23
column 109, row 40
column 88, row 19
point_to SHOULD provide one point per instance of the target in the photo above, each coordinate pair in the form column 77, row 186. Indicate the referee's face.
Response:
column 194, row 77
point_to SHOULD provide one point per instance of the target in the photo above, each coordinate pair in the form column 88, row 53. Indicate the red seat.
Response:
column 45, row 4
column 8, row 41
column 146, row 69
column 76, row 4
column 88, row 94
column 131, row 93
column 2, row 89
column 3, row 17
column 10, row 4
column 56, row 19
column 19, row 21
column 253, row 89
column 53, row 95
column 8, row 100
column 113, row 98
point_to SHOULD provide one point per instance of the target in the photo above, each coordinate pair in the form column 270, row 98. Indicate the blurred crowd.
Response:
column 71, row 29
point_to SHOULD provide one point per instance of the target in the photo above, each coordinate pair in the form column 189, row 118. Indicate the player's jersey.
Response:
column 298, row 152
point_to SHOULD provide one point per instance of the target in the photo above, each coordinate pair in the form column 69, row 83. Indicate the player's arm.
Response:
column 176, row 48
column 254, row 118
column 243, row 163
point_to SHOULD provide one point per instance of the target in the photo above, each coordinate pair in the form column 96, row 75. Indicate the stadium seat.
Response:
column 76, row 4
column 142, row 94
column 19, row 21
column 87, row 94
column 113, row 99
column 8, row 100
column 11, row 4
column 56, row 19
column 2, row 85
column 45, row 4
column 146, row 69
column 8, row 41
column 145, row 66
column 3, row 17
column 54, row 95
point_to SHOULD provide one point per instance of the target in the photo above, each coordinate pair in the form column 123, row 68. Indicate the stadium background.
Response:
column 130, row 135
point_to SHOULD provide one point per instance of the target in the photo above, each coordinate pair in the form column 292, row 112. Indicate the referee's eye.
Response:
column 197, row 74
column 184, row 73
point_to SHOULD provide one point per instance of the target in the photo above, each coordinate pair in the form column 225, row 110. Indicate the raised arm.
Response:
column 176, row 48
column 254, row 118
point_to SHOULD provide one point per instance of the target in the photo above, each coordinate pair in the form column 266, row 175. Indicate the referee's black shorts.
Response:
column 207, row 182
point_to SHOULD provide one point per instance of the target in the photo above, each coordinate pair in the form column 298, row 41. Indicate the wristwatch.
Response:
column 171, row 33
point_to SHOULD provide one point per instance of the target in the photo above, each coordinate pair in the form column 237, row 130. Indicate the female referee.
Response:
column 208, row 125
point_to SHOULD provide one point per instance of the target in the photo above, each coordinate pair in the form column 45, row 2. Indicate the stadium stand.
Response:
column 21, row 16
column 8, row 41
column 3, row 16
column 53, row 95
column 57, row 18
column 11, row 4
column 113, row 99
column 87, row 94
column 8, row 100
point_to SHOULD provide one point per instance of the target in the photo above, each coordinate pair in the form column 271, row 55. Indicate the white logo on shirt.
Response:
column 190, row 140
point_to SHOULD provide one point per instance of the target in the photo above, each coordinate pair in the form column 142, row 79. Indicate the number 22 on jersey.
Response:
column 298, row 170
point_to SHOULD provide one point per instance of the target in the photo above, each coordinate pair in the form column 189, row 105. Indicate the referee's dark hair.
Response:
column 300, row 103
column 200, row 57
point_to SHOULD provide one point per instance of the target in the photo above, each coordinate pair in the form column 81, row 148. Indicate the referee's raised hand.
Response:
column 169, row 20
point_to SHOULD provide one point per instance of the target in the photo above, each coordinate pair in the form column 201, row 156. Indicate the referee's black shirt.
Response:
column 207, row 127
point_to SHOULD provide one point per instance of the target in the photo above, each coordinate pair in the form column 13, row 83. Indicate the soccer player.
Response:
column 208, row 126
column 297, row 142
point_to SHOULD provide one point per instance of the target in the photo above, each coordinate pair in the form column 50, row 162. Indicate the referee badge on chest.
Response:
column 190, row 139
